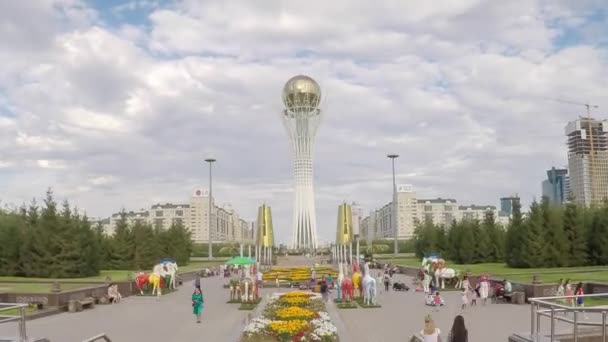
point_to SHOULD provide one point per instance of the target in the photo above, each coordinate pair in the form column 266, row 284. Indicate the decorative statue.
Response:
column 232, row 292
column 347, row 288
column 171, row 273
column 357, row 284
column 426, row 283
column 442, row 273
column 369, row 285
column 339, row 280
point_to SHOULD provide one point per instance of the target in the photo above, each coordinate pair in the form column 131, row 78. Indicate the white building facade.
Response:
column 226, row 225
column 411, row 210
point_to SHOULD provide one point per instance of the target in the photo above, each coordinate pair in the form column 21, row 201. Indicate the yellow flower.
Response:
column 288, row 327
column 296, row 301
column 294, row 312
column 296, row 294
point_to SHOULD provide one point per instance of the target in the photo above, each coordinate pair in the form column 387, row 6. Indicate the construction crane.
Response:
column 591, row 144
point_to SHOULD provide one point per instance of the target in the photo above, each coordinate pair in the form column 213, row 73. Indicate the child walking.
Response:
column 465, row 298
column 579, row 297
column 197, row 303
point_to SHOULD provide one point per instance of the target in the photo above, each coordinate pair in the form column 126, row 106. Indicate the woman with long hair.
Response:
column 430, row 333
column 459, row 332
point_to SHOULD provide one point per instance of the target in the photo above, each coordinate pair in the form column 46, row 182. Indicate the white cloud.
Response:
column 123, row 115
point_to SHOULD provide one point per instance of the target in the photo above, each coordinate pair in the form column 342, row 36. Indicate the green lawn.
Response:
column 116, row 275
column 547, row 275
column 38, row 287
column 15, row 312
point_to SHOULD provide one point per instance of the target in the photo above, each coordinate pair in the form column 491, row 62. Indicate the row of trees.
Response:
column 53, row 241
column 464, row 242
column 548, row 236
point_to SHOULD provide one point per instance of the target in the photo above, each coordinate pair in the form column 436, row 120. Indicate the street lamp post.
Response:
column 395, row 213
column 210, row 161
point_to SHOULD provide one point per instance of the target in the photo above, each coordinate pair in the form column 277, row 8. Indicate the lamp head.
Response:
column 210, row 160
column 392, row 156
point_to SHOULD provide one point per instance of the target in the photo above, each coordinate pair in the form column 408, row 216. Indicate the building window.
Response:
column 159, row 213
column 428, row 217
column 159, row 223
column 428, row 208
column 448, row 208
column 179, row 213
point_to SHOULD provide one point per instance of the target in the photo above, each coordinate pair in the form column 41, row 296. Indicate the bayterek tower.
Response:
column 301, row 116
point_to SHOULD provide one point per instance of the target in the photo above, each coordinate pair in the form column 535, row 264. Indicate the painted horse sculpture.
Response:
column 163, row 276
column 369, row 287
column 149, row 280
column 357, row 284
column 347, row 288
column 437, row 267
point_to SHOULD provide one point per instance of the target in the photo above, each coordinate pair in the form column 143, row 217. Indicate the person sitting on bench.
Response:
column 508, row 290
column 113, row 294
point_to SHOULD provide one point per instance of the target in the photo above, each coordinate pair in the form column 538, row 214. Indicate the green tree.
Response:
column 515, row 238
column 10, row 240
column 598, row 237
column 423, row 238
column 466, row 246
column 480, row 243
column 145, row 253
column 576, row 236
column 122, row 250
column 554, row 246
column 496, row 237
column 533, row 246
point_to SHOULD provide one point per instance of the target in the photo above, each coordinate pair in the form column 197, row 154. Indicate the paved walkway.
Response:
column 147, row 319
column 170, row 318
column 402, row 315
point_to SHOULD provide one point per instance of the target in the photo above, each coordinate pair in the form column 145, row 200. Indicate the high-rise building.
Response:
column 407, row 211
column 588, row 160
column 506, row 205
column 301, row 117
column 555, row 187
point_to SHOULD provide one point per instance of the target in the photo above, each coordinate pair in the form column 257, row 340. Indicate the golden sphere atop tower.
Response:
column 301, row 93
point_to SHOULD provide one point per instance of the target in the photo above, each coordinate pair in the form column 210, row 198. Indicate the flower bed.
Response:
column 295, row 316
column 297, row 274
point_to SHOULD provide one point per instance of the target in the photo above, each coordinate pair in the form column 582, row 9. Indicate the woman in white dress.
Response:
column 484, row 289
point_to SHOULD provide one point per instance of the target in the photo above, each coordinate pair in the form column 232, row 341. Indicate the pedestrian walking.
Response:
column 465, row 298
column 568, row 293
column 459, row 332
column 386, row 282
column 324, row 290
column 197, row 303
column 579, row 297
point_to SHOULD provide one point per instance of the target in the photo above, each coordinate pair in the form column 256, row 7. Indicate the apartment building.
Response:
column 226, row 225
column 411, row 210
column 439, row 211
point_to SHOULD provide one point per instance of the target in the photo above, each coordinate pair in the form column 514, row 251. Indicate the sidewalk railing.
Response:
column 20, row 317
column 552, row 306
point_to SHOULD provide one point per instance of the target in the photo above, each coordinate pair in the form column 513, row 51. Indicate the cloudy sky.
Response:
column 116, row 103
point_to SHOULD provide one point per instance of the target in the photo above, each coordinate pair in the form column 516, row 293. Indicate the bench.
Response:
column 76, row 305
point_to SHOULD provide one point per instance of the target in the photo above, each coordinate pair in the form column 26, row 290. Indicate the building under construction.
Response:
column 588, row 160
